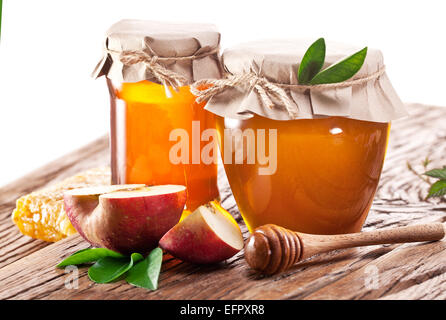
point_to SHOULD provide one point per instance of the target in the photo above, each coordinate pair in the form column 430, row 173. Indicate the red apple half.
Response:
column 208, row 235
column 125, row 218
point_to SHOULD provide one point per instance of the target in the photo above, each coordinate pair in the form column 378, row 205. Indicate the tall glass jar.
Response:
column 148, row 67
column 308, row 160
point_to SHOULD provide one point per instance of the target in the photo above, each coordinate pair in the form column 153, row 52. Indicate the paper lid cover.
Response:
column 192, row 49
column 277, row 61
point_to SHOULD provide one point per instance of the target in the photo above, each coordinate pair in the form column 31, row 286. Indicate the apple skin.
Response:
column 125, row 225
column 192, row 240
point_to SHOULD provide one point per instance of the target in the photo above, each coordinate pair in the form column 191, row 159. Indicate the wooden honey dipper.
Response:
column 271, row 249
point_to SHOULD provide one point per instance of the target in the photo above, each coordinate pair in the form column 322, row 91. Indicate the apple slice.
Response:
column 208, row 235
column 98, row 190
column 82, row 201
column 125, row 218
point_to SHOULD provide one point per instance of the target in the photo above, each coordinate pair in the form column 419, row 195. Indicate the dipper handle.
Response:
column 271, row 249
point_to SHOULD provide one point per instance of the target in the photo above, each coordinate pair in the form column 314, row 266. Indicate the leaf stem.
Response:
column 425, row 179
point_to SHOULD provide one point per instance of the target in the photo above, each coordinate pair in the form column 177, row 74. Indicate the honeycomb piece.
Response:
column 41, row 214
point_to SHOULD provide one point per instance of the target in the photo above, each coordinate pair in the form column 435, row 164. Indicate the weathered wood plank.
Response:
column 413, row 271
column 427, row 290
column 230, row 280
column 92, row 155
column 16, row 246
column 392, row 273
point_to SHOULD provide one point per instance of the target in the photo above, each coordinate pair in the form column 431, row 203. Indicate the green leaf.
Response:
column 438, row 189
column 88, row 255
column 108, row 269
column 437, row 173
column 146, row 273
column 312, row 62
column 1, row 4
column 343, row 70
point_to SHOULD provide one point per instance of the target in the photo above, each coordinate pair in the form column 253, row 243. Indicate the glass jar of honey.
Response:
column 149, row 67
column 316, row 169
column 327, row 173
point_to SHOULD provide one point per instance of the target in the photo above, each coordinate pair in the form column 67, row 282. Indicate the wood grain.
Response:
column 14, row 245
column 271, row 249
column 408, row 271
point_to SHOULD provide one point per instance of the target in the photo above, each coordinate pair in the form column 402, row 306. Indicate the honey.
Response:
column 143, row 117
column 326, row 177
column 149, row 67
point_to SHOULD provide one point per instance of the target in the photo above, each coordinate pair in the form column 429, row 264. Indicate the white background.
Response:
column 49, row 105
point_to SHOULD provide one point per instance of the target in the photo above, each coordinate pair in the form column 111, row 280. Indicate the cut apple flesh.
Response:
column 208, row 235
column 144, row 192
column 125, row 218
column 98, row 190
column 223, row 227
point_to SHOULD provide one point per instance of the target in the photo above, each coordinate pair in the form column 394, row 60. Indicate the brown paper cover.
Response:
column 278, row 61
column 162, row 39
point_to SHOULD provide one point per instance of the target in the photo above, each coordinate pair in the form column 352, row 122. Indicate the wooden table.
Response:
column 409, row 271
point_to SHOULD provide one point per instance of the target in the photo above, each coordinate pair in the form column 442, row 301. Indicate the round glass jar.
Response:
column 326, row 176
column 324, row 161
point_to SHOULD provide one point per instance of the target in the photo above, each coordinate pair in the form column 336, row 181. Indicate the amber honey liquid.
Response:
column 327, row 174
column 147, row 117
